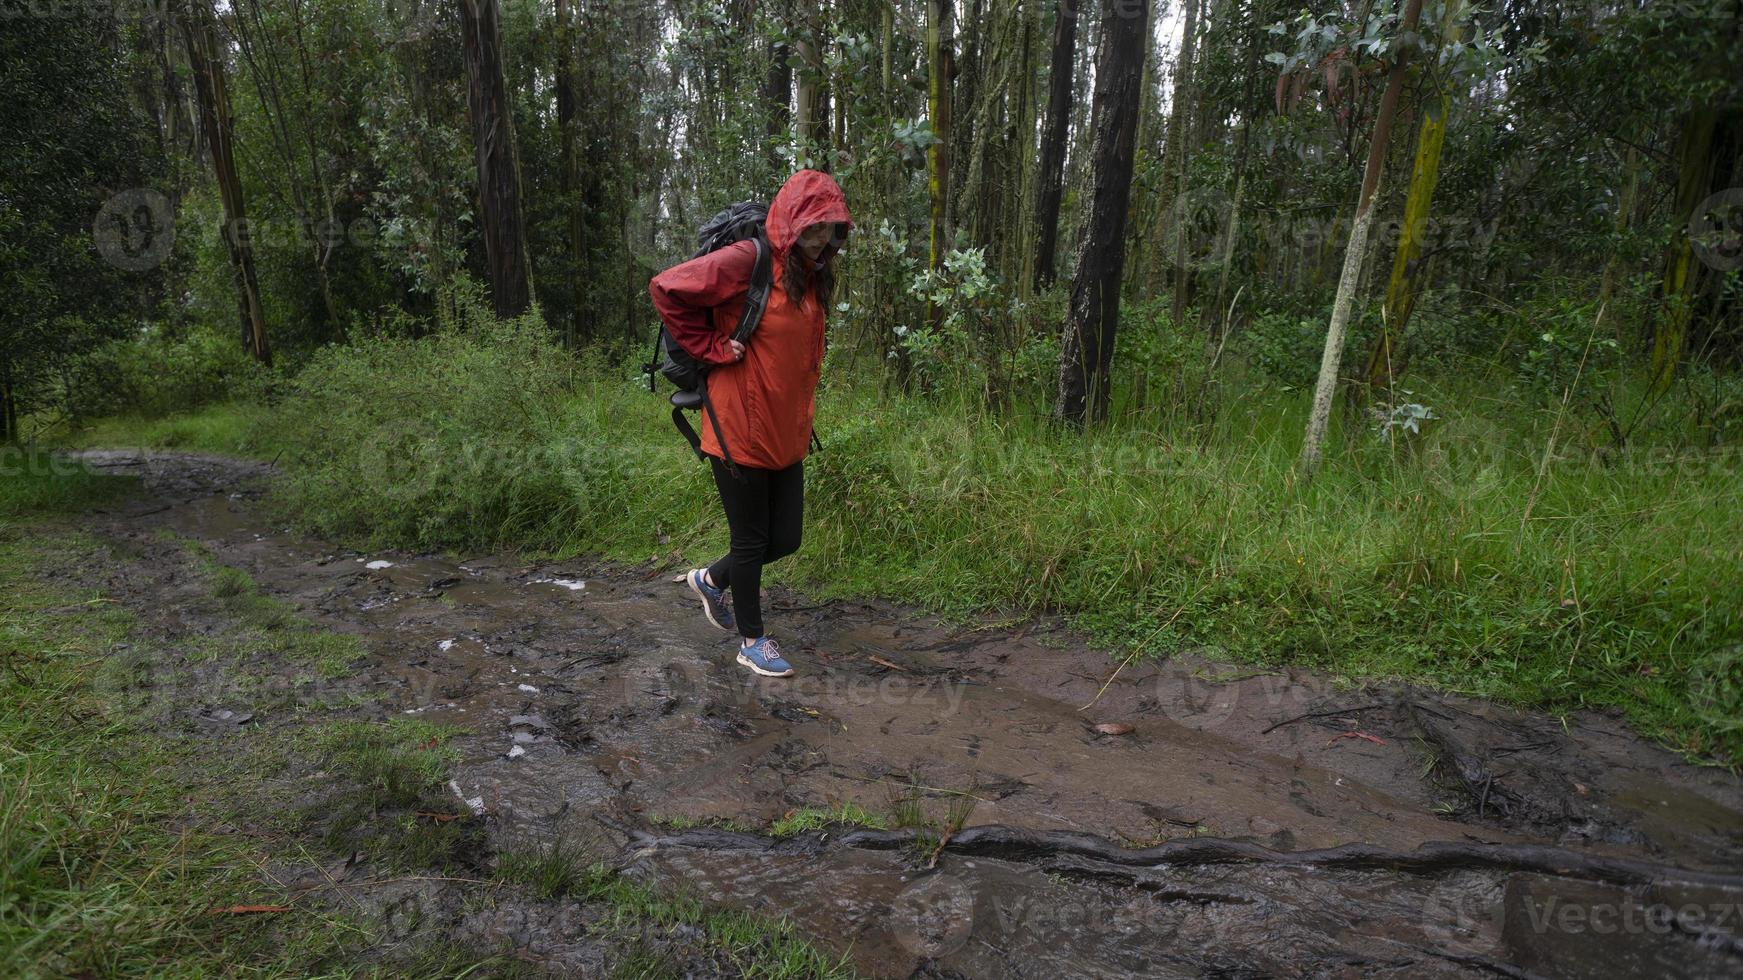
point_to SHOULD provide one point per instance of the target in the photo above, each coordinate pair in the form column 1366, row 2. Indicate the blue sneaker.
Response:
column 714, row 602
column 764, row 658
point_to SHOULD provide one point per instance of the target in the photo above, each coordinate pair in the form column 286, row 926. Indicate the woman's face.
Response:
column 815, row 238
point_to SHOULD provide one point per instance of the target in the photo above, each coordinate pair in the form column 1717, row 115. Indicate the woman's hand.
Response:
column 737, row 349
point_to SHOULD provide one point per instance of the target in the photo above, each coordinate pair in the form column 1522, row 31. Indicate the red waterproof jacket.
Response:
column 765, row 402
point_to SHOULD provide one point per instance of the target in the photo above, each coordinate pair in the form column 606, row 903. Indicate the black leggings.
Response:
column 765, row 512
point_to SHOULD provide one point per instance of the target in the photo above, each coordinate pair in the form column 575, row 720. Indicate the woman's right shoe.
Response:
column 714, row 604
column 764, row 658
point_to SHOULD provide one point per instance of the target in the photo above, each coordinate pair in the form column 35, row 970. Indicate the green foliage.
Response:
column 1284, row 348
column 460, row 436
column 35, row 481
column 73, row 161
column 156, row 375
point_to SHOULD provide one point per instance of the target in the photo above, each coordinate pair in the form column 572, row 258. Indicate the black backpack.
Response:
column 741, row 222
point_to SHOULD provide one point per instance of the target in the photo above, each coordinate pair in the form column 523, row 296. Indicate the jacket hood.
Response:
column 808, row 197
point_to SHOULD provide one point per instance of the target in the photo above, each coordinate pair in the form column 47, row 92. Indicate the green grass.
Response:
column 224, row 428
column 34, row 482
column 810, row 818
column 105, row 869
column 1461, row 560
column 732, row 942
column 274, row 626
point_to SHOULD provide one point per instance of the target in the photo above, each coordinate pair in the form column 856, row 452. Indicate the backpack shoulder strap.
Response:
column 756, row 299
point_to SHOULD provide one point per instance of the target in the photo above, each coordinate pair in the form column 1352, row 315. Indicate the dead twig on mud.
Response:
column 1321, row 714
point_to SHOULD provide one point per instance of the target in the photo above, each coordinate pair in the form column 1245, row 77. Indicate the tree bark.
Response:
column 1172, row 149
column 1384, row 362
column 500, row 219
column 1355, row 253
column 1093, row 322
column 1694, row 170
column 199, row 30
column 1052, row 176
column 8, row 403
column 1181, row 136
column 940, row 43
column 778, row 94
column 570, row 162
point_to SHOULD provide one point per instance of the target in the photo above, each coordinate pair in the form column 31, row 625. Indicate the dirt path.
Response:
column 600, row 708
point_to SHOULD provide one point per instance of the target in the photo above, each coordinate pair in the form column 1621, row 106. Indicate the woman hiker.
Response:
column 762, row 393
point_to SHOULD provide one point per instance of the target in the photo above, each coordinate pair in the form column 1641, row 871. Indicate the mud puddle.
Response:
column 601, row 709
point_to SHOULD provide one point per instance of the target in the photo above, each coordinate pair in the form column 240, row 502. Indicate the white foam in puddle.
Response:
column 444, row 645
column 379, row 564
column 568, row 583
column 516, row 752
column 529, row 688
column 473, row 803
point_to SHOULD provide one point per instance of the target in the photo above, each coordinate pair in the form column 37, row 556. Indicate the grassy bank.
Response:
column 1466, row 556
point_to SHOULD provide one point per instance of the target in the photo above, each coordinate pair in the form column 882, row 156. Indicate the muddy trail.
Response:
column 1195, row 818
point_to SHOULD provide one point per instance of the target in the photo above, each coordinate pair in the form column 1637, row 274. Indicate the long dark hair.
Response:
column 798, row 272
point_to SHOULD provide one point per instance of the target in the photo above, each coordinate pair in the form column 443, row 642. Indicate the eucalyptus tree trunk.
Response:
column 8, row 403
column 199, row 30
column 1694, row 170
column 808, row 98
column 1172, row 148
column 1052, row 168
column 1355, row 253
column 501, row 222
column 778, row 94
column 292, row 138
column 569, row 162
column 1093, row 322
column 1403, row 285
column 940, row 42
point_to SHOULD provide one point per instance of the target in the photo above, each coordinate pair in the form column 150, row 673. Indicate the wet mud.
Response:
column 598, row 707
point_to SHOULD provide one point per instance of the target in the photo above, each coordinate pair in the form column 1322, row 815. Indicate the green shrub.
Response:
column 155, row 375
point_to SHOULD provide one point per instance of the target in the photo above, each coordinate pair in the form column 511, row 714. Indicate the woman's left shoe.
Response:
column 714, row 604
column 764, row 658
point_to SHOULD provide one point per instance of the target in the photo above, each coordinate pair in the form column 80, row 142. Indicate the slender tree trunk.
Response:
column 1385, row 362
column 1093, row 322
column 940, row 43
column 1052, row 173
column 1694, row 170
column 501, row 222
column 200, row 31
column 570, row 164
column 806, row 105
column 1181, row 138
column 1250, row 108
column 1354, row 254
column 1628, row 200
column 778, row 94
column 1172, row 149
column 966, row 72
column 9, row 434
